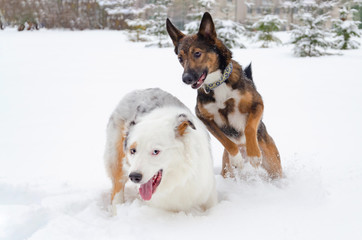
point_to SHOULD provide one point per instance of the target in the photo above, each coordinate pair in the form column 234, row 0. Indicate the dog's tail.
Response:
column 249, row 75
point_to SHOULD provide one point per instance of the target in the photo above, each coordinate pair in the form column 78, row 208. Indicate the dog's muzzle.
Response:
column 147, row 189
column 135, row 177
column 193, row 79
column 188, row 78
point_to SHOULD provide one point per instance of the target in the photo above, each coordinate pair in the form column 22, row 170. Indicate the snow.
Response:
column 58, row 88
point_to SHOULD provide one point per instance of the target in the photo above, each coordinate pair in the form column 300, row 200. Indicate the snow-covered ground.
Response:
column 58, row 88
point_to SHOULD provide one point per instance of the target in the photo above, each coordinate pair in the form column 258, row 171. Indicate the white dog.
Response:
column 155, row 141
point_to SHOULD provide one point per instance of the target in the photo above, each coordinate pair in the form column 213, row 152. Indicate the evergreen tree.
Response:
column 137, row 30
column 344, row 30
column 118, row 11
column 197, row 10
column 310, row 37
column 137, row 27
column 157, row 23
column 227, row 31
column 265, row 28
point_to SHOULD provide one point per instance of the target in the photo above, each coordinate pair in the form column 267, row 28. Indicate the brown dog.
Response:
column 227, row 100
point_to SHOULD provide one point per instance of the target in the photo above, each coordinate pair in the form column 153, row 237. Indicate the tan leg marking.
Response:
column 271, row 158
column 118, row 176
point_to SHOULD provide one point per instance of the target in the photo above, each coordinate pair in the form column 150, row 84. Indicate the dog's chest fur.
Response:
column 226, row 112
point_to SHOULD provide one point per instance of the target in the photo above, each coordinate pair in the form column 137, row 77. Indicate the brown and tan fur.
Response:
column 232, row 112
column 117, row 172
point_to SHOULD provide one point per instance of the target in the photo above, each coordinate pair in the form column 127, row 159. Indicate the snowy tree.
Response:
column 265, row 28
column 344, row 30
column 227, row 31
column 137, row 29
column 121, row 7
column 310, row 38
column 196, row 11
column 138, row 25
column 118, row 11
column 156, row 23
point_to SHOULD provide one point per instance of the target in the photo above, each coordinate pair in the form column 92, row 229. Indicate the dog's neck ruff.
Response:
column 224, row 77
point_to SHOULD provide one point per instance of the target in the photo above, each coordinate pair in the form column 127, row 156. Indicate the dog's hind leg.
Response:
column 114, row 160
column 118, row 173
column 271, row 158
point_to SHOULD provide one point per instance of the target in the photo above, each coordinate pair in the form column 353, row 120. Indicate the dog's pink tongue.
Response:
column 146, row 190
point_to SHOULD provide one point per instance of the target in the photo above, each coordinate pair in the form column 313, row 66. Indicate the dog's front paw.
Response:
column 237, row 160
column 254, row 161
column 112, row 209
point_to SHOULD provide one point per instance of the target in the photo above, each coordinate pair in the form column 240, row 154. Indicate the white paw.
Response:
column 237, row 160
column 113, row 209
column 254, row 161
column 118, row 199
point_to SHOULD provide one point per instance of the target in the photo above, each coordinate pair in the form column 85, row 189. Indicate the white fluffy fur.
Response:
column 213, row 77
column 236, row 119
column 188, row 180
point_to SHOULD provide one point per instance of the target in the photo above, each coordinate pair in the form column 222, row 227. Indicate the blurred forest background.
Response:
column 315, row 25
column 113, row 14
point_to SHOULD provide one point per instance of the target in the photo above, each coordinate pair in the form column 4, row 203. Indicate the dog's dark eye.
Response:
column 197, row 54
column 132, row 151
column 180, row 59
column 155, row 152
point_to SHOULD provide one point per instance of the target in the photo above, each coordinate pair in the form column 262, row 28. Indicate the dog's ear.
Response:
column 182, row 124
column 174, row 33
column 207, row 27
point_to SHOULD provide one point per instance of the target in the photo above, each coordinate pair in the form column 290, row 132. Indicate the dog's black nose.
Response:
column 187, row 78
column 135, row 177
